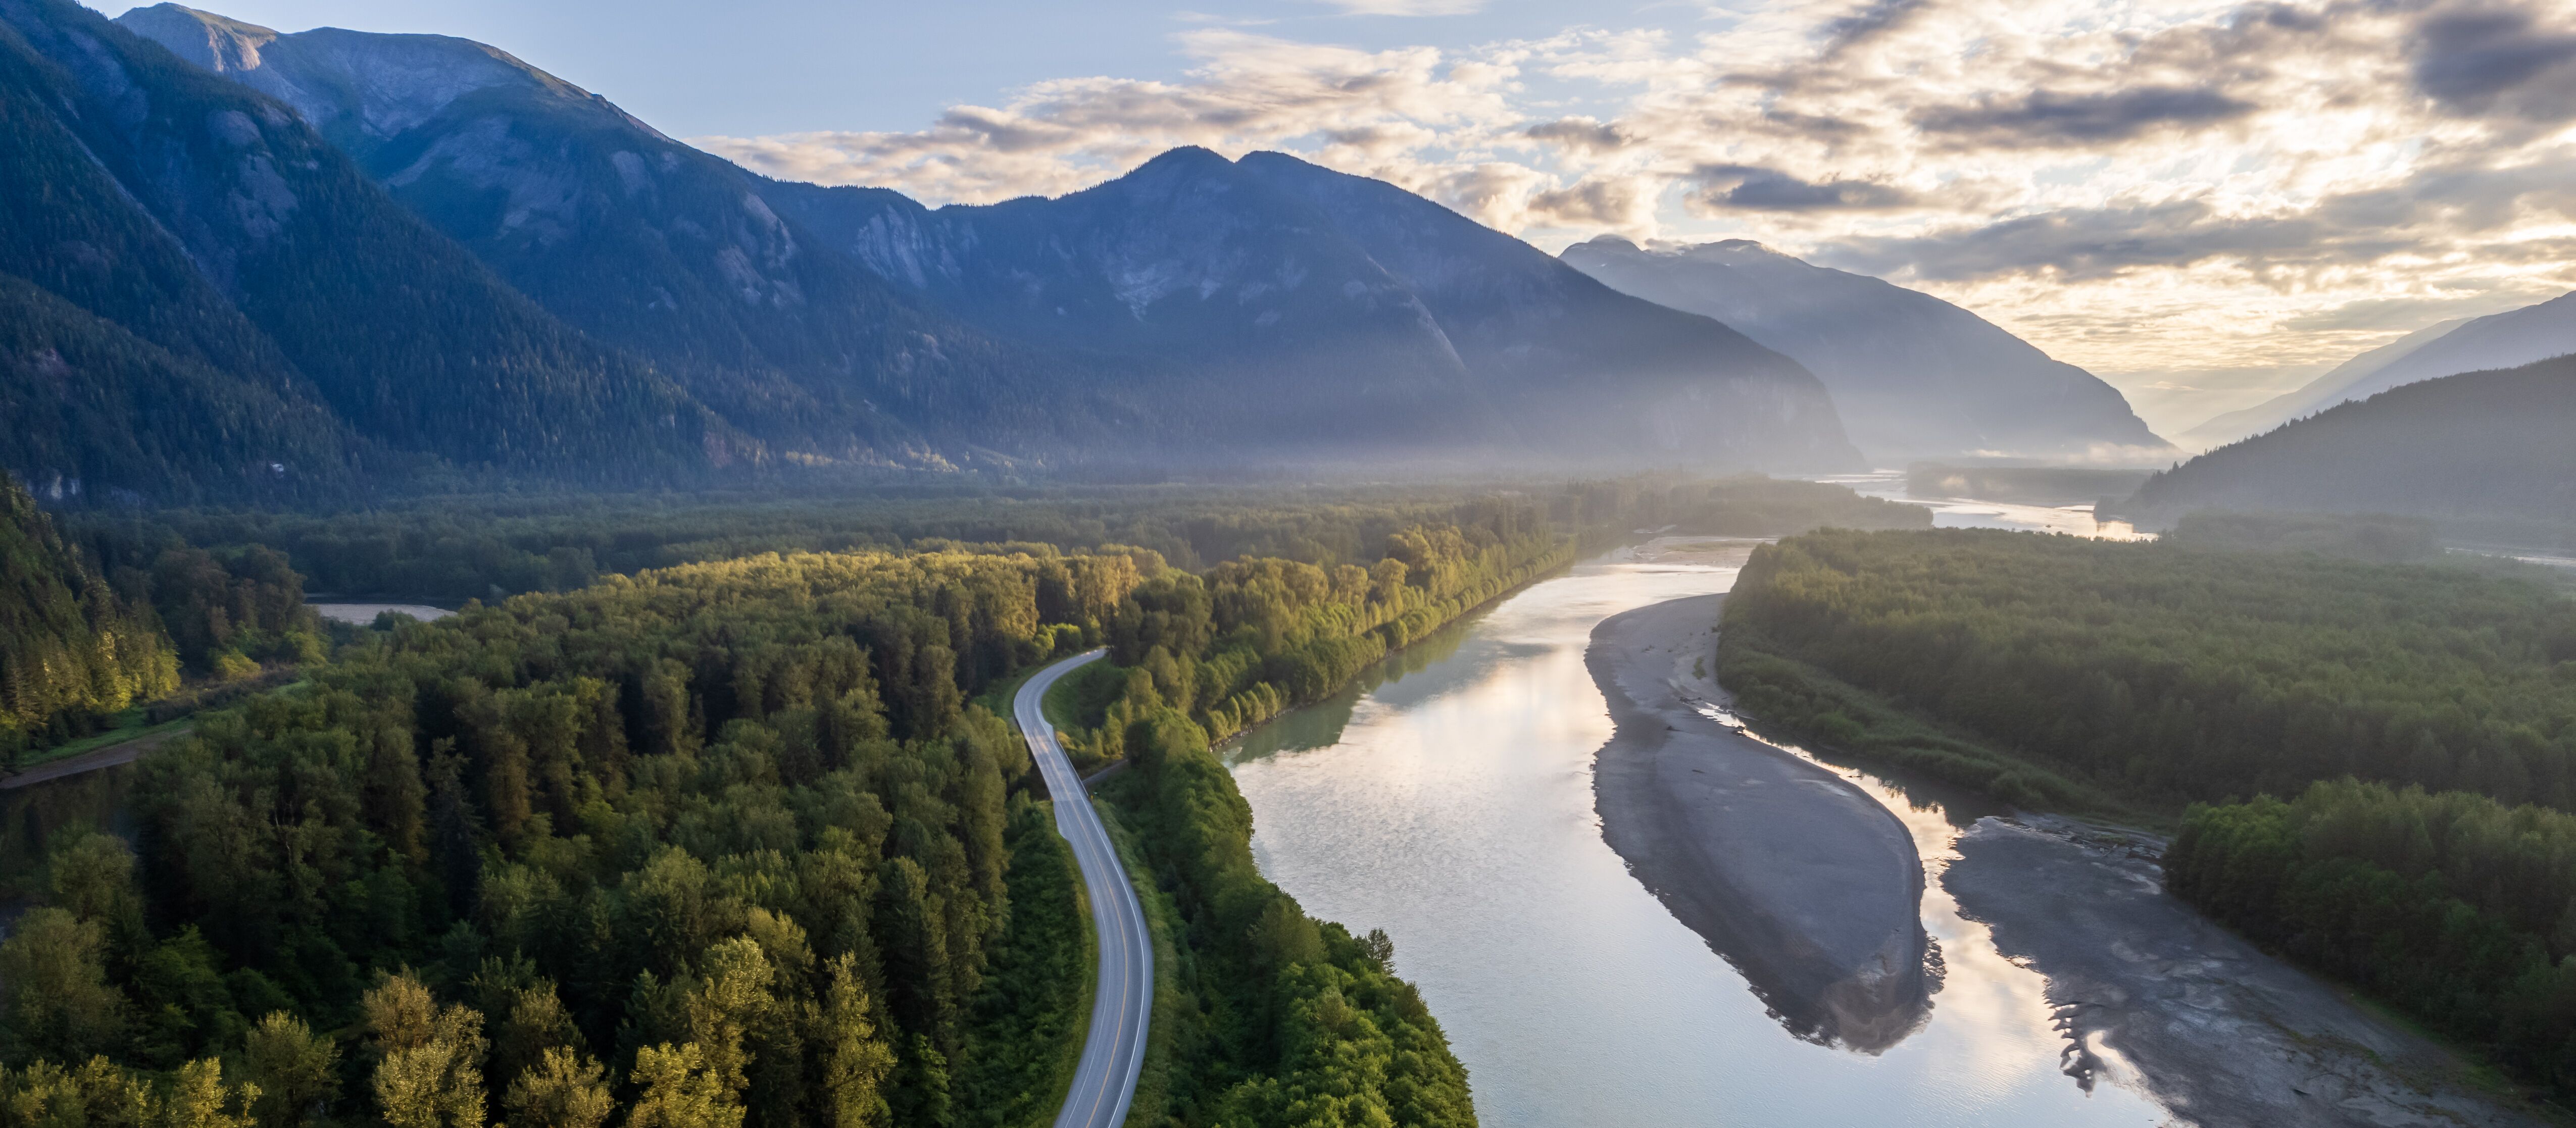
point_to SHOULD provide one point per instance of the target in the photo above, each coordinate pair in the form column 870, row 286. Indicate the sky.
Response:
column 2204, row 201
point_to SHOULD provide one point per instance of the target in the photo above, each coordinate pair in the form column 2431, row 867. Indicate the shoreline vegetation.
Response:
column 733, row 835
column 2420, row 718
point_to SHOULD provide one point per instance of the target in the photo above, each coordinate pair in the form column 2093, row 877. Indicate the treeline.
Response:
column 715, row 845
column 1238, row 644
column 83, row 638
column 2456, row 908
column 2171, row 674
column 488, row 547
column 1287, row 1020
column 2378, row 538
column 71, row 649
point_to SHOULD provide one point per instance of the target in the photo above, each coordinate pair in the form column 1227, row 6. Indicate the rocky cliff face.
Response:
column 1914, row 376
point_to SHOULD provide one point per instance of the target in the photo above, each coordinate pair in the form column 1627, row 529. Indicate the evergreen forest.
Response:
column 738, row 839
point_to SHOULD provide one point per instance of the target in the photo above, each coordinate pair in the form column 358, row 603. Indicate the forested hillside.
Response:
column 2168, row 674
column 2485, row 455
column 70, row 648
column 226, row 256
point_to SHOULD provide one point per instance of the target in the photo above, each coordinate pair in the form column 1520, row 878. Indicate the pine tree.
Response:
column 855, row 1061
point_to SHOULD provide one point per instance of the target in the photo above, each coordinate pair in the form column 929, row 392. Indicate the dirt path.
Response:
column 94, row 759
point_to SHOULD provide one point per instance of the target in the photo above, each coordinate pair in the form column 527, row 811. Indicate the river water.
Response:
column 1983, row 513
column 1447, row 798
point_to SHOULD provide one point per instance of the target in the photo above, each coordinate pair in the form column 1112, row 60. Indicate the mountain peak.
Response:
column 402, row 80
column 1186, row 158
column 217, row 43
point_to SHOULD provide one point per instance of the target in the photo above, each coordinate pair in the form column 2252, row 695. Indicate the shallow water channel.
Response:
column 1447, row 798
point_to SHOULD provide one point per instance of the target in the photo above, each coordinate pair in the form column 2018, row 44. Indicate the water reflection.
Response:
column 1448, row 800
column 1980, row 513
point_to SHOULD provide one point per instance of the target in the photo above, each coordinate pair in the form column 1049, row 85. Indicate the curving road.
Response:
column 1122, row 1001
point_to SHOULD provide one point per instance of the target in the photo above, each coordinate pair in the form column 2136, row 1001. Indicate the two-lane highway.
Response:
column 1122, row 1002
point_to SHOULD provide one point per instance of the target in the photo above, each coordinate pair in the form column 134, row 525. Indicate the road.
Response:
column 92, row 760
column 1122, row 1001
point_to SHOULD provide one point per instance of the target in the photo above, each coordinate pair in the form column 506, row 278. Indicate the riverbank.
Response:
column 2144, row 989
column 2218, row 1031
column 1803, row 882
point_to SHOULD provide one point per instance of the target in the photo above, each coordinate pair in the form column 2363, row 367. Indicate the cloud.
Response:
column 2496, row 60
column 2045, row 117
column 1582, row 134
column 2407, row 314
column 1752, row 188
column 1248, row 91
column 2135, row 185
column 1877, row 16
column 1407, row 7
column 1592, row 205
column 2093, row 243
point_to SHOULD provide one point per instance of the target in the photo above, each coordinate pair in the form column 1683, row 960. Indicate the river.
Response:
column 1983, row 513
column 1447, row 798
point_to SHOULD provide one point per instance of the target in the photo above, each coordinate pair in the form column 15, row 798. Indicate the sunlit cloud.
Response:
column 1407, row 7
column 2137, row 186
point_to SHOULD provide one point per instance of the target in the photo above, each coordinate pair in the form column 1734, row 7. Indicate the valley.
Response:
column 1409, row 563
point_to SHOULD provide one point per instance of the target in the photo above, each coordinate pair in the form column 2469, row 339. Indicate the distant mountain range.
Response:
column 1914, row 376
column 426, row 258
column 2486, row 455
column 1290, row 303
column 2502, row 340
column 413, row 259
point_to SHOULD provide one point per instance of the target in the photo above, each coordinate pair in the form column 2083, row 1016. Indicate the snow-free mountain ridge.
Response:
column 1913, row 376
column 2501, row 340
column 1196, row 311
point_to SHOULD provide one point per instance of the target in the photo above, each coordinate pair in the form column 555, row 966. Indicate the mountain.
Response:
column 2485, row 455
column 1914, row 376
column 171, row 234
column 1195, row 312
column 645, row 243
column 1278, row 306
column 2500, row 340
